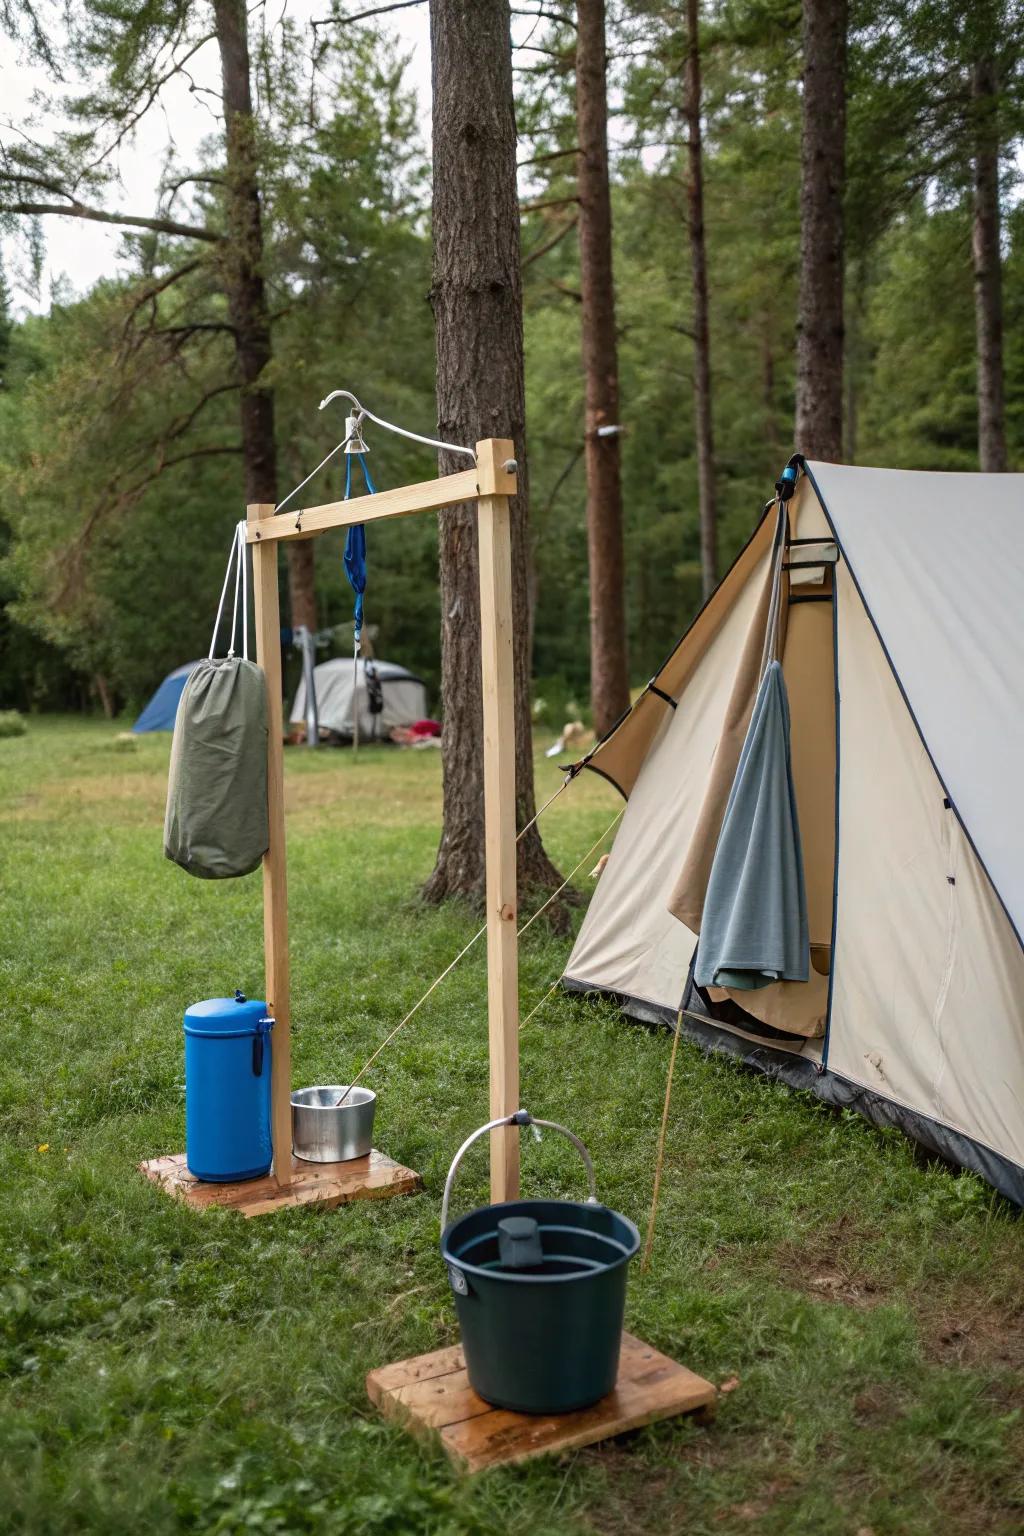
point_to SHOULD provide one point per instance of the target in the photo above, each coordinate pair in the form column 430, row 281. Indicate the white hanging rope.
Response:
column 223, row 594
column 361, row 412
column 579, row 866
column 234, row 610
column 355, row 694
column 243, row 556
column 236, row 558
column 296, row 489
column 479, row 935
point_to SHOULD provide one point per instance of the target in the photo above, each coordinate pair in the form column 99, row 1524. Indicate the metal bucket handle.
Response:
column 521, row 1117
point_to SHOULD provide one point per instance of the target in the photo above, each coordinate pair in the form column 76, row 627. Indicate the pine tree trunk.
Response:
column 476, row 295
column 609, row 670
column 819, row 384
column 701, row 320
column 987, row 262
column 242, row 275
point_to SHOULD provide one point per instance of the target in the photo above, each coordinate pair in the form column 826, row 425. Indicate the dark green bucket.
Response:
column 540, row 1292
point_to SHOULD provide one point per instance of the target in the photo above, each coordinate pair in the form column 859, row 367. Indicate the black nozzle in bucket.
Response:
column 540, row 1292
column 519, row 1243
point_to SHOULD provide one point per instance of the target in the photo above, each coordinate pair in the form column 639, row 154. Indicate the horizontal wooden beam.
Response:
column 428, row 496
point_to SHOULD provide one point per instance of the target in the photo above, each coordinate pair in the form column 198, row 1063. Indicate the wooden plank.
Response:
column 404, row 1373
column 431, row 1395
column 374, row 1177
column 426, row 496
column 275, row 868
column 499, row 809
column 438, row 1402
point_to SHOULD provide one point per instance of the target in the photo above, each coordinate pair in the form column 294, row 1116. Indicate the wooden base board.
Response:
column 431, row 1395
column 374, row 1177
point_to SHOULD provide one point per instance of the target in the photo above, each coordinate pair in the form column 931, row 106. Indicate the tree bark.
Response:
column 609, row 669
column 987, row 263
column 242, row 276
column 819, row 384
column 701, row 320
column 476, row 296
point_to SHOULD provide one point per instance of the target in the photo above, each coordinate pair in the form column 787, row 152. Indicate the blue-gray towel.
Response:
column 754, row 927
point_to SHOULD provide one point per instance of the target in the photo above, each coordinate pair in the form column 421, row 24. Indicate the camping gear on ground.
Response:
column 327, row 1130
column 401, row 697
column 227, row 1089
column 217, row 822
column 574, row 738
column 159, row 713
column 904, row 621
column 540, row 1291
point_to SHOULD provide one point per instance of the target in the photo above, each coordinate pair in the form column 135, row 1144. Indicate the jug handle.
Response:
column 263, row 1027
column 521, row 1117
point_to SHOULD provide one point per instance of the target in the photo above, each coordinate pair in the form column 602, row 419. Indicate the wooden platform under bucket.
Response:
column 431, row 1395
column 374, row 1177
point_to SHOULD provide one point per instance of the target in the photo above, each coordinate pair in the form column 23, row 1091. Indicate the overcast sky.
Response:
column 83, row 252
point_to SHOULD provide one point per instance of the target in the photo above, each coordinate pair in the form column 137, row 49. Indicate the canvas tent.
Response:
column 159, row 713
column 388, row 696
column 902, row 656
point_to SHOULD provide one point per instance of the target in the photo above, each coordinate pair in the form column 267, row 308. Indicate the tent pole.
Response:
column 495, row 484
column 275, row 871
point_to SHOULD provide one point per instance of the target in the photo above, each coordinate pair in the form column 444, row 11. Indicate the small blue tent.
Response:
column 159, row 713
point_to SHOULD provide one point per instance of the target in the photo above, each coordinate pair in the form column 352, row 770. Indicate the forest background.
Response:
column 120, row 475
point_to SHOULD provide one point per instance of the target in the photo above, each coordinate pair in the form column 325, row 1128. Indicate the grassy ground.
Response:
column 164, row 1371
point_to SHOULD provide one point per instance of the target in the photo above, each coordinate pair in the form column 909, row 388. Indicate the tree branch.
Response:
column 555, row 154
column 563, row 477
column 548, row 202
column 378, row 10
column 154, row 89
column 543, row 15
column 121, row 500
column 160, row 285
column 564, row 288
column 180, row 427
column 76, row 210
column 174, row 187
column 199, row 325
column 549, row 245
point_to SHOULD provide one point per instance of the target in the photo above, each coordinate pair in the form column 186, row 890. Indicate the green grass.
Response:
column 167, row 1371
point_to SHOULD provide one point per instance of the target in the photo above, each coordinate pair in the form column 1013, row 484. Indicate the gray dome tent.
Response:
column 388, row 695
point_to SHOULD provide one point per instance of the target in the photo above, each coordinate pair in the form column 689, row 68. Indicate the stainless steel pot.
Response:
column 324, row 1131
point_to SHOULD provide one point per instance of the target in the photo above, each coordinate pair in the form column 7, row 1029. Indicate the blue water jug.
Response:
column 227, row 1089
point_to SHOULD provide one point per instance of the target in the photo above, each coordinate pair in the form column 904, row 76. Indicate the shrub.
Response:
column 12, row 723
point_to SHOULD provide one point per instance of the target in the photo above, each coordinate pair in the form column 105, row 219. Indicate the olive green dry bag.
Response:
column 217, row 824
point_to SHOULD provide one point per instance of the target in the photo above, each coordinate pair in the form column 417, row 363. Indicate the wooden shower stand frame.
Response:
column 430, row 1393
column 489, row 485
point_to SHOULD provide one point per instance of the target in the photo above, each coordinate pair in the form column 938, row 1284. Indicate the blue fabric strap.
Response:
column 355, row 544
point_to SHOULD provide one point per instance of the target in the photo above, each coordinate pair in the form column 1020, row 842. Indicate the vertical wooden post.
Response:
column 275, row 871
column 496, row 484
